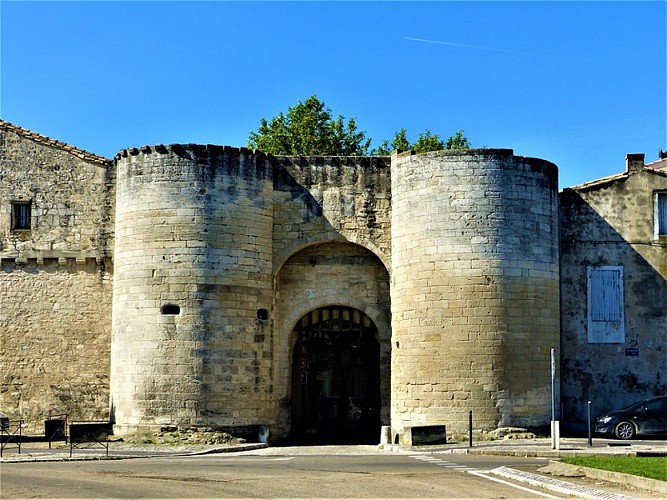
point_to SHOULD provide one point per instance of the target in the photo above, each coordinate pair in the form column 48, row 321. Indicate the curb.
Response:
column 54, row 457
column 555, row 485
column 533, row 453
column 643, row 483
column 229, row 449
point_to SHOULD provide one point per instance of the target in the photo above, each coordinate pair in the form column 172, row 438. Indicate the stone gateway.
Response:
column 319, row 298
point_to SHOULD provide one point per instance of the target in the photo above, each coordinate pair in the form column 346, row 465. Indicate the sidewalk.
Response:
column 118, row 450
column 569, row 447
column 536, row 447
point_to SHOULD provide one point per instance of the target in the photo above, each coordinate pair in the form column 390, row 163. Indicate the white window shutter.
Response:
column 606, row 317
column 661, row 214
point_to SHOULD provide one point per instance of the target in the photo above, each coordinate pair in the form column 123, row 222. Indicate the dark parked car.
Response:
column 642, row 418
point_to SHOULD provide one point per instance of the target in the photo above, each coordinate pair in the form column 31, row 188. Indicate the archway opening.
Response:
column 336, row 378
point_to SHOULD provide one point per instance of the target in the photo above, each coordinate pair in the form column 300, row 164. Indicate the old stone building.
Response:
column 614, row 289
column 322, row 297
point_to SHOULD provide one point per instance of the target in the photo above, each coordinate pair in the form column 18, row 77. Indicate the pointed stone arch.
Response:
column 330, row 274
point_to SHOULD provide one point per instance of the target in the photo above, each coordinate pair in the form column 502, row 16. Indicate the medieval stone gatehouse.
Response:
column 217, row 287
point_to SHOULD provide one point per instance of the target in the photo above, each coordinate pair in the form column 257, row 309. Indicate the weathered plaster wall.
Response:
column 611, row 224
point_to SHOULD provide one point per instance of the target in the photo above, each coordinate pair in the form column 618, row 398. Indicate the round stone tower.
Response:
column 474, row 289
column 192, row 288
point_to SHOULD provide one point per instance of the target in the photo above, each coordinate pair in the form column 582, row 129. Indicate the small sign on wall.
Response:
column 632, row 351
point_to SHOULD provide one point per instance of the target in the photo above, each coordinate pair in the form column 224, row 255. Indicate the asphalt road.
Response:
column 250, row 475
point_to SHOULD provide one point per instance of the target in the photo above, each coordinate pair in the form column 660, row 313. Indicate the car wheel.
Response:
column 625, row 430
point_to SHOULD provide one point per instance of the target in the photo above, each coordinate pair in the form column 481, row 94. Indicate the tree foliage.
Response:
column 458, row 141
column 308, row 128
column 426, row 141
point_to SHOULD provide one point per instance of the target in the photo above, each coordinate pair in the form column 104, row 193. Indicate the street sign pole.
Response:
column 555, row 427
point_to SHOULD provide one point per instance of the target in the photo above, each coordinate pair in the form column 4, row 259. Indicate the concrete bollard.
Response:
column 385, row 434
column 555, row 435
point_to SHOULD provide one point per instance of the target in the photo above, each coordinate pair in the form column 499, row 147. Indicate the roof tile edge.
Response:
column 42, row 139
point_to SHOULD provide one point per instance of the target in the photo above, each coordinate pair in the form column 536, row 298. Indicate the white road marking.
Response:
column 442, row 463
column 556, row 485
column 476, row 472
column 247, row 458
column 507, row 483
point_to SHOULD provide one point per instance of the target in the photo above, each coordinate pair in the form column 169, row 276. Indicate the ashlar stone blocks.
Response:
column 474, row 289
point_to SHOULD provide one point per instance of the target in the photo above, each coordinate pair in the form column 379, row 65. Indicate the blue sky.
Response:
column 576, row 83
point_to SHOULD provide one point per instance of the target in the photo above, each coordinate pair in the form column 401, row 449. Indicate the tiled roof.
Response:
column 601, row 181
column 657, row 167
column 42, row 139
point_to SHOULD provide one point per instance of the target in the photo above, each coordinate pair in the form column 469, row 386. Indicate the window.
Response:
column 606, row 315
column 21, row 215
column 660, row 214
column 170, row 309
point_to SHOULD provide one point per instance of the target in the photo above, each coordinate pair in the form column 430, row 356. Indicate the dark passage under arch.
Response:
column 336, row 378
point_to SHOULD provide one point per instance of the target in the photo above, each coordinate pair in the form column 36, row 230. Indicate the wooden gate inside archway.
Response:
column 336, row 378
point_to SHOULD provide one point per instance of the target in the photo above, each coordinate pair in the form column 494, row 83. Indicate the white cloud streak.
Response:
column 461, row 45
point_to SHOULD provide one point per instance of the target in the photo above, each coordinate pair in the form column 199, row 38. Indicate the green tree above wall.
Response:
column 424, row 143
column 309, row 129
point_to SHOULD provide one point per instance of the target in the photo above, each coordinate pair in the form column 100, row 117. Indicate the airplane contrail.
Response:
column 458, row 44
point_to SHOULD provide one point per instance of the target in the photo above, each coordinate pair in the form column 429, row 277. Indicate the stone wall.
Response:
column 55, row 324
column 70, row 195
column 332, row 239
column 193, row 272
column 474, row 289
column 611, row 223
column 332, row 199
column 215, row 253
column 55, row 288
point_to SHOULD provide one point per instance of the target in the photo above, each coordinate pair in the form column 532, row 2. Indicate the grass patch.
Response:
column 651, row 467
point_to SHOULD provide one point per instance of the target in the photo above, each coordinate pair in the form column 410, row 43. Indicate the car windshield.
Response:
column 633, row 407
column 636, row 406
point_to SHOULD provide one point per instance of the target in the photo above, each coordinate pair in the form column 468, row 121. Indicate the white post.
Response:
column 385, row 434
column 554, row 425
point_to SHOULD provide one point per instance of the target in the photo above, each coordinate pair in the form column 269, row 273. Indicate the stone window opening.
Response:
column 21, row 215
column 170, row 309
